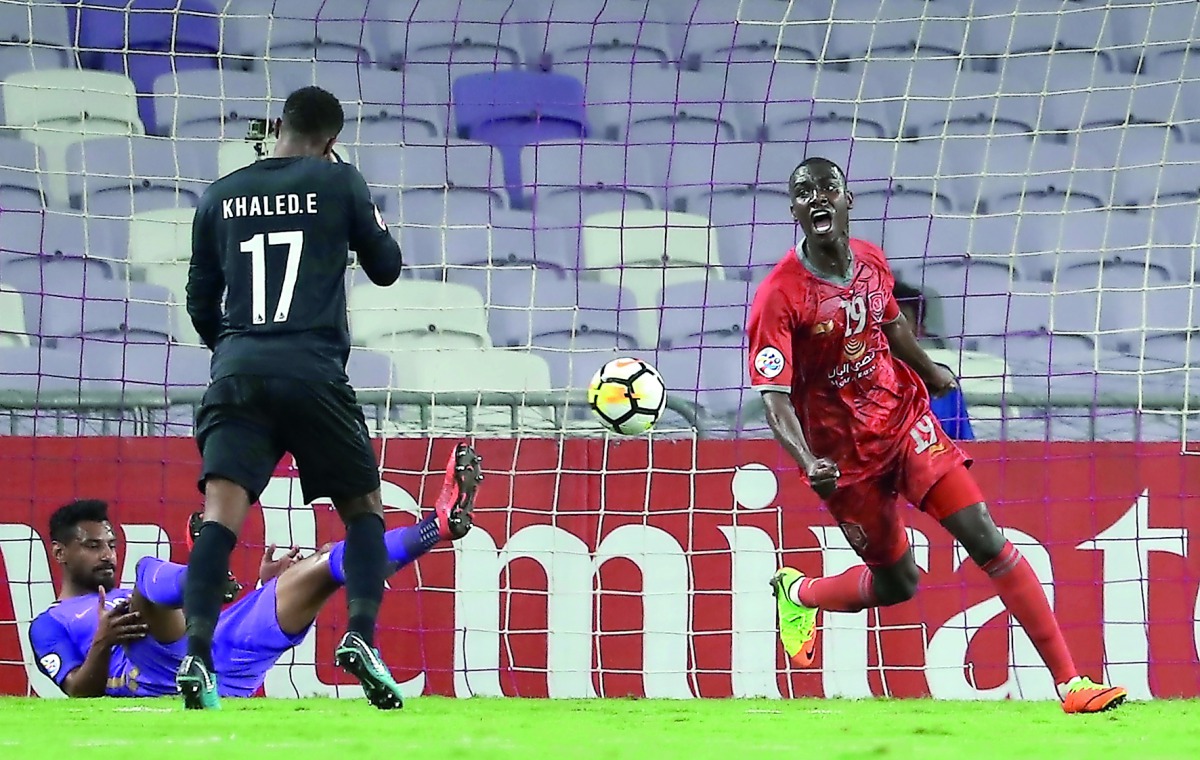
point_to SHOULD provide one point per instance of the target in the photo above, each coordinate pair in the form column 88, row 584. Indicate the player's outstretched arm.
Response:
column 206, row 281
column 904, row 346
column 378, row 252
column 781, row 416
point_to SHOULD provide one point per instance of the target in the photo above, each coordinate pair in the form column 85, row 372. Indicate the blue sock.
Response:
column 404, row 546
column 161, row 582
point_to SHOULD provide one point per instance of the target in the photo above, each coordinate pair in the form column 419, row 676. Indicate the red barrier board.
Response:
column 641, row 569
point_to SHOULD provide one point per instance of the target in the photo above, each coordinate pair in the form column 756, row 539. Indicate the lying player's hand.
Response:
column 823, row 475
column 941, row 382
column 273, row 568
column 117, row 625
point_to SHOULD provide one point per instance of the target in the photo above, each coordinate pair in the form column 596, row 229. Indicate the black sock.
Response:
column 208, row 569
column 365, row 566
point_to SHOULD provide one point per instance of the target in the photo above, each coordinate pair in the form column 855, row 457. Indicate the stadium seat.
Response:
column 299, row 31
column 1146, row 34
column 574, row 32
column 647, row 250
column 460, row 166
column 53, row 109
column 515, row 108
column 1045, row 193
column 21, row 183
column 692, row 174
column 415, row 313
column 693, row 313
column 969, row 104
column 407, row 33
column 1155, row 174
column 383, row 106
column 161, row 235
column 144, row 39
column 12, row 318
column 717, row 32
column 666, row 106
column 146, row 366
column 897, row 29
column 512, row 109
column 448, row 369
column 508, row 239
column 715, row 377
column 67, row 248
column 1035, row 26
column 566, row 316
column 808, row 105
column 172, row 277
column 749, row 248
column 36, row 36
column 110, row 311
column 114, row 175
column 213, row 104
column 575, row 179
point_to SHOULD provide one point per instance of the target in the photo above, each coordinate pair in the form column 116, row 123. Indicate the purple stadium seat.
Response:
column 408, row 32
column 32, row 368
column 577, row 179
column 39, row 35
column 382, row 106
column 20, row 181
column 463, row 167
column 512, row 109
column 212, row 104
column 571, row 315
column 139, row 166
column 573, row 369
column 371, row 370
column 710, row 31
column 298, row 30
column 143, row 366
column 56, row 255
column 145, row 39
column 621, row 30
column 110, row 311
column 694, row 312
column 897, row 29
column 1035, row 26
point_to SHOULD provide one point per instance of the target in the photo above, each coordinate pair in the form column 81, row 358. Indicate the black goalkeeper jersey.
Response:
column 272, row 239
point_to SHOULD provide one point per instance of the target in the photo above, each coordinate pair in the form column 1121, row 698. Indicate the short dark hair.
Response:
column 816, row 161
column 314, row 114
column 66, row 518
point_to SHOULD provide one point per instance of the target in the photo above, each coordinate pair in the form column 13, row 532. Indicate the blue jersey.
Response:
column 246, row 644
column 63, row 634
column 951, row 411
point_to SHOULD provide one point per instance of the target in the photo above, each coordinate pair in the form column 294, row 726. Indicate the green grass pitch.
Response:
column 434, row 727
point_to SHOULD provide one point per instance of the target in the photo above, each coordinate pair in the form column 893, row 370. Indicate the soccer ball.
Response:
column 628, row 395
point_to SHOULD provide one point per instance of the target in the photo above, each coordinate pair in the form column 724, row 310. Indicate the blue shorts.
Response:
column 248, row 641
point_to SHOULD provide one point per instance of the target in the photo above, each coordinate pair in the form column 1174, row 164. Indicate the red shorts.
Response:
column 929, row 470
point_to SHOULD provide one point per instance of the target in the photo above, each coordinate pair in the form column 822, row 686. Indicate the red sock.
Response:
column 1023, row 596
column 850, row 591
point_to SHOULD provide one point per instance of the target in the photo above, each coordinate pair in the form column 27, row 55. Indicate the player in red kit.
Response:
column 846, row 388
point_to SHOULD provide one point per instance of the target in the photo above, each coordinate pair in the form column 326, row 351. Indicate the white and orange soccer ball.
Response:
column 627, row 395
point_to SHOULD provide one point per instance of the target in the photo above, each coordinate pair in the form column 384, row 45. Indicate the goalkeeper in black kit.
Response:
column 273, row 240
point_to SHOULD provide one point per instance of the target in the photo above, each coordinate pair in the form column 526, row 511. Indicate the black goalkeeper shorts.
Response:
column 246, row 424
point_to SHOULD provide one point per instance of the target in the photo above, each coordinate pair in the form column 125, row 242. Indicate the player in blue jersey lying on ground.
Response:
column 99, row 640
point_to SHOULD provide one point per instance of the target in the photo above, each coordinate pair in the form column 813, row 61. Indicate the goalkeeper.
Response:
column 98, row 639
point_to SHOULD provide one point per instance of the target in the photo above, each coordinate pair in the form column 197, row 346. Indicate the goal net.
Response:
column 573, row 182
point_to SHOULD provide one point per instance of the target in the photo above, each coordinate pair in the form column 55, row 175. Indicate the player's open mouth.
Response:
column 822, row 221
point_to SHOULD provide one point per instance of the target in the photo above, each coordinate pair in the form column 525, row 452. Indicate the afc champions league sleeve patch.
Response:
column 51, row 663
column 379, row 218
column 769, row 362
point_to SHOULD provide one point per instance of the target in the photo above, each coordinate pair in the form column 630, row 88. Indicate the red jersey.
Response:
column 821, row 340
